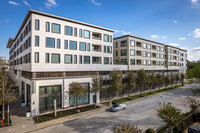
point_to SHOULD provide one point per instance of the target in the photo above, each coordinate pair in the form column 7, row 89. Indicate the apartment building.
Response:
column 139, row 53
column 49, row 52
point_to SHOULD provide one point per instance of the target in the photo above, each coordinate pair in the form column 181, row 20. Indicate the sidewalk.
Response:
column 21, row 124
column 72, row 117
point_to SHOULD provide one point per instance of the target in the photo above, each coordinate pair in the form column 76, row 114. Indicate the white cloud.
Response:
column 96, row 3
column 194, row 54
column 175, row 21
column 154, row 36
column 122, row 32
column 196, row 33
column 7, row 20
column 50, row 3
column 181, row 38
column 174, row 44
column 26, row 3
column 195, row 2
column 13, row 3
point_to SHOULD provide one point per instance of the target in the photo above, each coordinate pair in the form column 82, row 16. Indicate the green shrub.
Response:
column 150, row 131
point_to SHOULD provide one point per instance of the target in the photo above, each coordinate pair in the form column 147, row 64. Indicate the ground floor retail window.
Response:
column 47, row 96
column 82, row 100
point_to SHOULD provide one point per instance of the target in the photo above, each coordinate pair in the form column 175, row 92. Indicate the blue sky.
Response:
column 173, row 22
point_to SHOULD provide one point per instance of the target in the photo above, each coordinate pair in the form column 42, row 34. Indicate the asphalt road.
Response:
column 140, row 112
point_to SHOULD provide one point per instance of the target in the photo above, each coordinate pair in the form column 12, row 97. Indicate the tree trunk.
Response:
column 3, row 111
column 129, row 93
column 95, row 100
column 150, row 88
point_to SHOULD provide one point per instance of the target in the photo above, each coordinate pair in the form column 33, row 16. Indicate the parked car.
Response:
column 117, row 107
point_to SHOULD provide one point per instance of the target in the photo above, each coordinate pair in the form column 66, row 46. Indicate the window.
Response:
column 144, row 45
column 158, row 63
column 116, row 53
column 162, row 49
column 110, row 38
column 132, row 43
column 68, row 30
column 123, row 43
column 116, row 44
column 58, row 43
column 36, row 57
column 80, row 33
column 144, row 62
column 104, row 49
column 86, row 33
column 37, row 41
column 162, row 63
column 106, row 60
column 158, row 48
column 68, row 59
column 50, row 42
column 73, row 45
column 106, row 38
column 123, row 52
column 124, row 61
column 55, row 58
column 82, row 46
column 158, row 55
column 80, row 59
column 149, row 46
column 66, row 44
column 132, row 52
column 86, row 59
column 144, row 54
column 47, row 27
column 110, row 60
column 88, row 47
column 162, row 56
column 47, row 57
column 96, row 60
column 109, row 49
column 55, row 28
column 75, row 59
column 37, row 24
column 132, row 61
column 75, row 31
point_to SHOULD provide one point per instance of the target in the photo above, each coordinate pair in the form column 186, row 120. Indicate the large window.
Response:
column 109, row 49
column 82, row 46
column 68, row 30
column 132, row 42
column 66, row 44
column 55, row 28
column 47, row 27
column 47, row 57
column 50, row 42
column 68, row 59
column 58, row 43
column 55, row 58
column 106, row 60
column 132, row 61
column 73, row 45
column 144, row 45
column 47, row 95
column 123, row 52
column 132, row 52
column 149, row 46
column 36, row 57
column 86, row 59
column 106, row 38
column 123, row 43
column 83, row 99
column 86, row 33
column 37, row 41
column 37, row 24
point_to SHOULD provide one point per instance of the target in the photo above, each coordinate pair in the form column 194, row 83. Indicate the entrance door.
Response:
column 28, row 100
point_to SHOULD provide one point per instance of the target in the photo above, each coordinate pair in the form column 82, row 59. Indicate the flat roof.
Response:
column 176, row 48
column 138, row 38
column 56, row 17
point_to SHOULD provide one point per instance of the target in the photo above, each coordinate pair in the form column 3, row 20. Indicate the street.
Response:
column 139, row 112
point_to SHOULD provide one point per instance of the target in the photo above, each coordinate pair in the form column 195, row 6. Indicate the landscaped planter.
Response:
column 5, row 123
column 28, row 114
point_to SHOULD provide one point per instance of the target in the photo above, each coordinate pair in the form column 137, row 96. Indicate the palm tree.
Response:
column 130, row 80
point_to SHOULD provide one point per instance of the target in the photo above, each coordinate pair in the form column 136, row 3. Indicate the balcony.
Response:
column 139, row 53
column 139, row 62
column 96, row 35
column 153, row 47
column 96, row 60
column 154, row 55
column 154, row 63
column 96, row 48
column 139, row 44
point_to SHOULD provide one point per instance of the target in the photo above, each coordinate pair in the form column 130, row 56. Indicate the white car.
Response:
column 117, row 107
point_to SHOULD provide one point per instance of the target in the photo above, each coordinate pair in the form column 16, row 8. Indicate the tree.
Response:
column 96, row 86
column 141, row 79
column 190, row 74
column 77, row 90
column 194, row 105
column 130, row 80
column 126, row 128
column 177, row 78
column 167, row 80
column 159, row 80
column 153, row 81
column 171, row 115
column 116, row 81
column 8, row 91
column 150, row 131
column 182, row 78
column 196, row 71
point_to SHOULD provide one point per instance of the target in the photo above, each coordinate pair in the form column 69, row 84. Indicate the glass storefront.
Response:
column 47, row 96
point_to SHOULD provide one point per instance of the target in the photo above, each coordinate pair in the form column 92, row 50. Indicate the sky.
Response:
column 172, row 22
